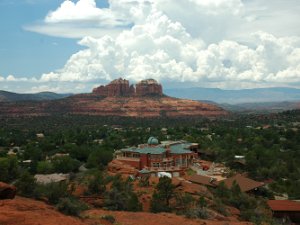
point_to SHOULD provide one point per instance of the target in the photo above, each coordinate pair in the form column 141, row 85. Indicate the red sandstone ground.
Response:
column 24, row 211
column 138, row 218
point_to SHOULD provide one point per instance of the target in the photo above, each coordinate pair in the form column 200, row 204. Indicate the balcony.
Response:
column 167, row 160
column 128, row 158
column 164, row 169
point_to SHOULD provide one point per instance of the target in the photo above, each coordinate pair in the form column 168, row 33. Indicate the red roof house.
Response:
column 285, row 209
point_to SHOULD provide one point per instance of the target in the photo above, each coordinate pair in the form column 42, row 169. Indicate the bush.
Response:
column 97, row 184
column 65, row 164
column 122, row 197
column 220, row 207
column 45, row 167
column 26, row 185
column 99, row 158
column 71, row 206
column 109, row 218
column 197, row 213
column 53, row 191
column 9, row 169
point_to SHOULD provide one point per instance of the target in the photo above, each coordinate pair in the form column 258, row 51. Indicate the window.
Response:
column 177, row 162
column 156, row 165
column 136, row 155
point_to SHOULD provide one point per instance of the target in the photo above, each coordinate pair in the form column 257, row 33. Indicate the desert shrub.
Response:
column 52, row 191
column 121, row 196
column 109, row 218
column 9, row 169
column 26, row 185
column 45, row 167
column 197, row 213
column 71, row 206
column 219, row 206
column 96, row 184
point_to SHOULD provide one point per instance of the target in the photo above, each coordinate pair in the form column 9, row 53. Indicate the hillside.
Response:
column 6, row 96
column 116, row 99
column 26, row 211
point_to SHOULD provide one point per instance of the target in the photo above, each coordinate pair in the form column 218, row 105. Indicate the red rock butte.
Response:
column 118, row 98
column 120, row 87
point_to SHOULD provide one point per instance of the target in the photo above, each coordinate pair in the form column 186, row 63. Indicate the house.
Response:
column 40, row 135
column 246, row 184
column 285, row 209
column 169, row 156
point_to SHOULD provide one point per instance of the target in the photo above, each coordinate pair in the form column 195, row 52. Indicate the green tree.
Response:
column 96, row 184
column 161, row 197
column 121, row 196
column 45, row 167
column 99, row 158
column 65, row 164
column 26, row 185
column 9, row 169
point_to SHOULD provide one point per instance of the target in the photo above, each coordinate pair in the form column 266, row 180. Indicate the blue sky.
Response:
column 24, row 53
column 75, row 45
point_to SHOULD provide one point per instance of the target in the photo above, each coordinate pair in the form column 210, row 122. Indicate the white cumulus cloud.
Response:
column 196, row 41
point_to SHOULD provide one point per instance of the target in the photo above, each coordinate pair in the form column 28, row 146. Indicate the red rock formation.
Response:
column 117, row 167
column 148, row 87
column 7, row 191
column 116, row 99
column 120, row 87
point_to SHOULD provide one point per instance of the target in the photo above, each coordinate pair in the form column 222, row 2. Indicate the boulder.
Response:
column 116, row 166
column 7, row 191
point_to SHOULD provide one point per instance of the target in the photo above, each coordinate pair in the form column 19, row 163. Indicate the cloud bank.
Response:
column 203, row 42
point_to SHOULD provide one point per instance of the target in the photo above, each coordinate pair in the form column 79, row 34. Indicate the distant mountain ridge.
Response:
column 6, row 96
column 256, row 95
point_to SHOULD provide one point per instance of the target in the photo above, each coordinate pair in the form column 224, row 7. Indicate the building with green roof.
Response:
column 169, row 156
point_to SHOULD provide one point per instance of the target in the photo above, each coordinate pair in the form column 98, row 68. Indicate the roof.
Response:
column 146, row 150
column 284, row 205
column 175, row 148
column 50, row 178
column 152, row 141
column 204, row 180
column 246, row 184
column 180, row 148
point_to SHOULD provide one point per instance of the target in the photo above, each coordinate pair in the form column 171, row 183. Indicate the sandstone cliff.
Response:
column 121, row 87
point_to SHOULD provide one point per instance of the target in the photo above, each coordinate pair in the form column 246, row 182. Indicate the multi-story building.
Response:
column 168, row 156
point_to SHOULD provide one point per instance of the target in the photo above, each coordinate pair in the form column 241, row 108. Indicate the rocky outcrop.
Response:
column 7, row 191
column 121, row 87
column 118, row 167
column 148, row 87
column 25, row 211
column 118, row 87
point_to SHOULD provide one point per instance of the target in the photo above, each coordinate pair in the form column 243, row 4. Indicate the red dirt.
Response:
column 24, row 211
column 138, row 218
